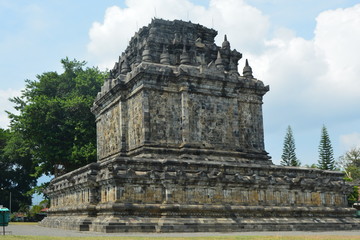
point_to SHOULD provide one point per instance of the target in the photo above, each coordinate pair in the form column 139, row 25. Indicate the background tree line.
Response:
column 51, row 132
column 349, row 162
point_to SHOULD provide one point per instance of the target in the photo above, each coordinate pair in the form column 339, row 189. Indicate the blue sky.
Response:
column 306, row 50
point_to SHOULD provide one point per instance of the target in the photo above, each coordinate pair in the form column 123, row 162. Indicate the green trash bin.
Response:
column 356, row 205
column 4, row 216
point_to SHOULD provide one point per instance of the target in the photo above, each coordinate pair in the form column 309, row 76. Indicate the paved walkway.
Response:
column 36, row 230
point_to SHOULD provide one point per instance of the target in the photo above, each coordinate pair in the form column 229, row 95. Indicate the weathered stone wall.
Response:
column 213, row 121
column 188, row 195
column 250, row 124
column 109, row 132
column 189, row 182
column 135, row 118
column 173, row 112
column 220, row 195
column 165, row 118
column 138, row 193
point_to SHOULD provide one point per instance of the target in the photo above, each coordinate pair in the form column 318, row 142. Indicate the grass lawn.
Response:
column 23, row 223
column 306, row 237
column 9, row 237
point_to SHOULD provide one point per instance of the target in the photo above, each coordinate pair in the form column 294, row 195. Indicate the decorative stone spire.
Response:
column 125, row 67
column 218, row 62
column 184, row 57
column 118, row 64
column 247, row 72
column 225, row 44
column 165, row 57
column 232, row 66
column 177, row 39
column 146, row 55
column 137, row 58
column 152, row 32
column 115, row 70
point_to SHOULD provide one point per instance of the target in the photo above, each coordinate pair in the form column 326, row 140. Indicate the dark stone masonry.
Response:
column 181, row 148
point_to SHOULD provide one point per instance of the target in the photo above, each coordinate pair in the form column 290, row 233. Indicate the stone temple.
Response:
column 180, row 145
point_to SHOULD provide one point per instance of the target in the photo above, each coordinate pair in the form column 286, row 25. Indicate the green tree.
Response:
column 311, row 166
column 354, row 196
column 350, row 163
column 35, row 209
column 326, row 156
column 54, row 118
column 15, row 170
column 289, row 156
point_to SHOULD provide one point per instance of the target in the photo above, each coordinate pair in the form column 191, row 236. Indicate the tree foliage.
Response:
column 289, row 156
column 350, row 163
column 54, row 119
column 326, row 159
column 311, row 165
column 354, row 196
column 15, row 170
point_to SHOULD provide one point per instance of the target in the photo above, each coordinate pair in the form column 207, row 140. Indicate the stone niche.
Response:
column 181, row 148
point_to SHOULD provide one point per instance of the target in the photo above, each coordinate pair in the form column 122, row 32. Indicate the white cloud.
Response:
column 349, row 141
column 245, row 25
column 337, row 37
column 6, row 105
column 317, row 78
column 110, row 38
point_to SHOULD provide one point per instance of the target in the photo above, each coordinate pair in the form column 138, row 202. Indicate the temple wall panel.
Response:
column 165, row 108
column 212, row 120
column 315, row 198
column 135, row 116
column 199, row 194
column 250, row 125
column 108, row 132
column 178, row 195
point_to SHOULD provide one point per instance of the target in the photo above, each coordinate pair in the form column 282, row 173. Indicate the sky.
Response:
column 307, row 51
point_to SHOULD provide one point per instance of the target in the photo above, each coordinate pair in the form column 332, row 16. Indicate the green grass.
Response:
column 185, row 238
column 23, row 223
column 13, row 237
